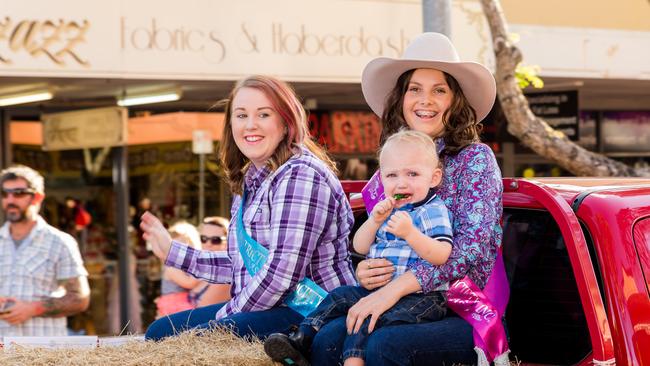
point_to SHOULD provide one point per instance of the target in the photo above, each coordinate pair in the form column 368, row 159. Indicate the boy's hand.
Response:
column 400, row 224
column 382, row 210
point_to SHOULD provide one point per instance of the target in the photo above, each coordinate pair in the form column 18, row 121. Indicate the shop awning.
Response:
column 159, row 128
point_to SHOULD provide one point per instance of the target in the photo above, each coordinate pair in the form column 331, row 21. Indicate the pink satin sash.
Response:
column 484, row 309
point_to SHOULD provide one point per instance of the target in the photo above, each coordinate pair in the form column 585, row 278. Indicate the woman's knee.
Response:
column 159, row 329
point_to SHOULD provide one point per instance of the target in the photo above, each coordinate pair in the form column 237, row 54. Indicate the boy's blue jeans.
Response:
column 411, row 309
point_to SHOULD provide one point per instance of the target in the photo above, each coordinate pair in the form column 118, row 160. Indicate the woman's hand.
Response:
column 372, row 305
column 156, row 234
column 374, row 273
column 379, row 301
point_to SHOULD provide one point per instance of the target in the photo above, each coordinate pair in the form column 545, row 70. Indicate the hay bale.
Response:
column 218, row 347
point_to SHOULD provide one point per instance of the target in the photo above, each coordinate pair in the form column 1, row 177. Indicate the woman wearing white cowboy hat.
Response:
column 430, row 90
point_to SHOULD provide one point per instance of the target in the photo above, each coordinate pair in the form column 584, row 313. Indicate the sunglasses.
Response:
column 216, row 240
column 17, row 192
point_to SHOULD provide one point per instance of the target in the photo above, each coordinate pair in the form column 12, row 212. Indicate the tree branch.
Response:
column 532, row 131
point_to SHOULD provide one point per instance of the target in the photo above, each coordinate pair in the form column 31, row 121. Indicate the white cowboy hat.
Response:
column 429, row 51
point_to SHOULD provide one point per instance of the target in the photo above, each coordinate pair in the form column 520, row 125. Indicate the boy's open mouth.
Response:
column 401, row 196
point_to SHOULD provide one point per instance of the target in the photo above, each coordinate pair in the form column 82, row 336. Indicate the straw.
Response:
column 217, row 347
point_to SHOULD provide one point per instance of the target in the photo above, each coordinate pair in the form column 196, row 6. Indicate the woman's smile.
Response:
column 256, row 126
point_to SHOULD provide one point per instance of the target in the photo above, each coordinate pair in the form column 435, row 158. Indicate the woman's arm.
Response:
column 181, row 278
column 214, row 267
column 379, row 301
column 215, row 294
column 476, row 214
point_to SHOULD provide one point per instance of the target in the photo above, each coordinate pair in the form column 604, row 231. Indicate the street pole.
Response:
column 201, row 187
column 121, row 187
column 202, row 145
column 5, row 141
column 436, row 16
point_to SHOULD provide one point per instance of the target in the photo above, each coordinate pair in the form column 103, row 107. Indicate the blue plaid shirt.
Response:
column 430, row 217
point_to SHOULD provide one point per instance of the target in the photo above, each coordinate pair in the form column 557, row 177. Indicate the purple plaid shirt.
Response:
column 301, row 214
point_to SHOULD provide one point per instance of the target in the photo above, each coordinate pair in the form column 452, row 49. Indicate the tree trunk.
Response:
column 532, row 131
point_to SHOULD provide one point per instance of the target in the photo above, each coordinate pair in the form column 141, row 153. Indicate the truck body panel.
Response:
column 577, row 255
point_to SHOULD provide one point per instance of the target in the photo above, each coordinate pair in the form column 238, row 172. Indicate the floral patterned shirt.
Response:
column 472, row 191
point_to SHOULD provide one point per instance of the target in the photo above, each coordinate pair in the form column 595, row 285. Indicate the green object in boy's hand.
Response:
column 399, row 196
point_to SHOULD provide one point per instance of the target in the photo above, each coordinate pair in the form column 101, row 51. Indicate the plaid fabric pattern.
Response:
column 300, row 213
column 32, row 271
column 431, row 218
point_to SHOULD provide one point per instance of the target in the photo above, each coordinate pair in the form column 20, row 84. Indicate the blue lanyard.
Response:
column 307, row 295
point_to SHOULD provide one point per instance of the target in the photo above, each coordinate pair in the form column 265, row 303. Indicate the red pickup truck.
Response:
column 577, row 256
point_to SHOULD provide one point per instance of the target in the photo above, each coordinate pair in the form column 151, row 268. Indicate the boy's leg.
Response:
column 354, row 346
column 336, row 304
column 294, row 348
column 415, row 309
column 410, row 309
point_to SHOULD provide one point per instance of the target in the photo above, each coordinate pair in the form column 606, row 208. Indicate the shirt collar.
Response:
column 440, row 144
column 254, row 177
column 40, row 224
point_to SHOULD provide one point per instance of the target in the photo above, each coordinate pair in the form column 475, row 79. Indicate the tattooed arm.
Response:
column 75, row 300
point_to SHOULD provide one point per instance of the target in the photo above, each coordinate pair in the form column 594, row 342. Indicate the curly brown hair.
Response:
column 286, row 103
column 460, row 125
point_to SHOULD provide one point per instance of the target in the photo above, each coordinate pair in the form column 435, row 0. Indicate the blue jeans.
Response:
column 444, row 342
column 410, row 309
column 258, row 323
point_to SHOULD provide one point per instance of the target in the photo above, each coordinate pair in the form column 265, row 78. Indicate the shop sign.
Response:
column 320, row 128
column 91, row 128
column 346, row 132
column 161, row 158
column 559, row 109
column 626, row 131
column 202, row 142
column 150, row 39
column 354, row 132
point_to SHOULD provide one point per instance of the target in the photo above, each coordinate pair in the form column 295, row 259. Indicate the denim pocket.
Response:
column 435, row 305
column 416, row 308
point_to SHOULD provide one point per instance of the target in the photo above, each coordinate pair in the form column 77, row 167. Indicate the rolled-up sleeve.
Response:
column 476, row 213
column 214, row 267
column 69, row 261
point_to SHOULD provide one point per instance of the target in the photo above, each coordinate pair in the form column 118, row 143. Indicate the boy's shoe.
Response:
column 290, row 350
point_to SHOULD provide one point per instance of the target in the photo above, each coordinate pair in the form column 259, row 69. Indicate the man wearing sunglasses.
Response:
column 42, row 277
